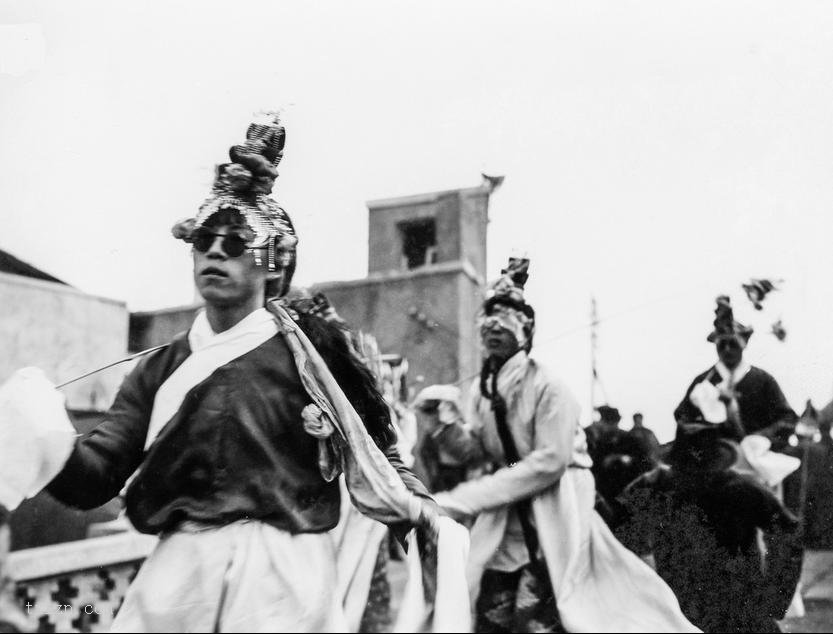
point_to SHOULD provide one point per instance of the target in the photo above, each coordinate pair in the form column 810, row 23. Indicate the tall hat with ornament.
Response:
column 506, row 306
column 725, row 324
column 244, row 186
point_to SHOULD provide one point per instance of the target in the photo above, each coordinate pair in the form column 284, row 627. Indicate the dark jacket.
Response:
column 761, row 402
column 236, row 449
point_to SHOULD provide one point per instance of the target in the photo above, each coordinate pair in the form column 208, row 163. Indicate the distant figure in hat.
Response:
column 809, row 492
column 740, row 398
column 646, row 438
column 607, row 425
column 618, row 457
column 700, row 520
column 819, row 509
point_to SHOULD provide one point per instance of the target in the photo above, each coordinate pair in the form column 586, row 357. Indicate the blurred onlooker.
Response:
column 819, row 504
column 809, row 491
column 645, row 437
column 618, row 458
column 438, row 469
column 700, row 521
column 739, row 398
column 604, row 431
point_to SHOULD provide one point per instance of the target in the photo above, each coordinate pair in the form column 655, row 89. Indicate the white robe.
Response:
column 600, row 586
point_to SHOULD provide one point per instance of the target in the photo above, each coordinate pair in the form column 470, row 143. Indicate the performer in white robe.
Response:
column 537, row 541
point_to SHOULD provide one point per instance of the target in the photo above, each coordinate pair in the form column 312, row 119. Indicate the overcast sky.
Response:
column 656, row 155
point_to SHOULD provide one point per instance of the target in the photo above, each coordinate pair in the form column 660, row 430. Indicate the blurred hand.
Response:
column 429, row 517
column 450, row 508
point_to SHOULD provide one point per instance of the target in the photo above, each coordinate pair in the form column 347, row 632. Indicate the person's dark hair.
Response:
column 228, row 216
column 354, row 378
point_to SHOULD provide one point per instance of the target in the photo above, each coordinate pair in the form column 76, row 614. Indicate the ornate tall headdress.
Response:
column 244, row 186
column 725, row 324
column 505, row 302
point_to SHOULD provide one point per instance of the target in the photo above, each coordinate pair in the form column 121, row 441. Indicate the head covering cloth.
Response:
column 505, row 305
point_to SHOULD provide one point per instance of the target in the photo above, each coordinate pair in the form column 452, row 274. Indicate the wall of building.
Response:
column 66, row 333
column 461, row 216
column 156, row 327
column 474, row 222
column 470, row 294
column 414, row 313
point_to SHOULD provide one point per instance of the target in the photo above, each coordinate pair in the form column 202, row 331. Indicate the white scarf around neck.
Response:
column 732, row 378
column 209, row 351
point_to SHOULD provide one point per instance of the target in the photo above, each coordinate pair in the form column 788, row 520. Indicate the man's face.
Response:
column 637, row 420
column 498, row 342
column 730, row 351
column 222, row 279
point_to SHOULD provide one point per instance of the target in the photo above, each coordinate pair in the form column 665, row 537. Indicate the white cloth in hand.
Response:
column 450, row 612
column 36, row 436
column 706, row 397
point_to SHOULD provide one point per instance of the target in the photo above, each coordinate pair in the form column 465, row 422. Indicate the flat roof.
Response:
column 423, row 199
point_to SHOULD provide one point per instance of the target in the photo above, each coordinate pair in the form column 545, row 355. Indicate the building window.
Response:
column 419, row 243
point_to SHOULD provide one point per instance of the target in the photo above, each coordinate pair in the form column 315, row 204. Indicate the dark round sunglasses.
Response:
column 232, row 244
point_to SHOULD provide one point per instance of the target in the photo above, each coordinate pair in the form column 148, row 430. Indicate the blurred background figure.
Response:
column 647, row 440
column 437, row 406
column 618, row 456
column 818, row 498
column 809, row 494
column 605, row 430
column 739, row 398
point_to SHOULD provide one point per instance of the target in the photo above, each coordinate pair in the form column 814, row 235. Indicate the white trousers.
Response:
column 244, row 577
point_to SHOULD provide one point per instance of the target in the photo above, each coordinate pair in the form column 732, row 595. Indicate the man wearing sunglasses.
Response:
column 230, row 440
column 225, row 274
column 752, row 401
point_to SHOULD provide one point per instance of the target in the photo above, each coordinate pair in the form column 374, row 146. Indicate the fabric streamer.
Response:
column 452, row 554
column 375, row 487
column 706, row 397
column 357, row 541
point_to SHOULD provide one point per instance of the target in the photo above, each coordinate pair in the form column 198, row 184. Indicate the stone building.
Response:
column 427, row 270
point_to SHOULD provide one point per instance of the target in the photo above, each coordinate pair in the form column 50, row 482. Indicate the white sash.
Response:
column 209, row 352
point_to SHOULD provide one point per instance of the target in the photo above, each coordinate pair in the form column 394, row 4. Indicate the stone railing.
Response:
column 76, row 586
